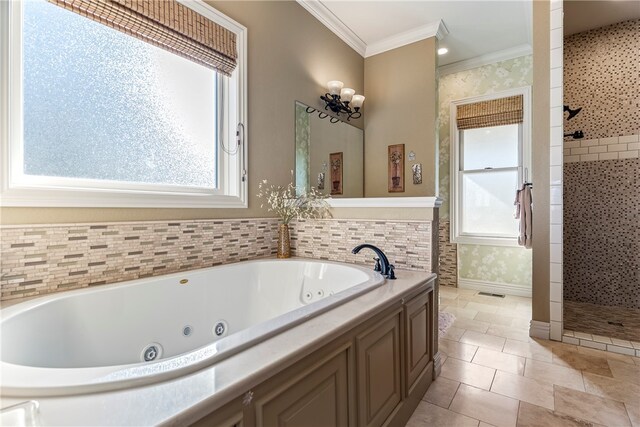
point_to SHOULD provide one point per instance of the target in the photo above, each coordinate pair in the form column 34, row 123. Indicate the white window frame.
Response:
column 524, row 166
column 17, row 189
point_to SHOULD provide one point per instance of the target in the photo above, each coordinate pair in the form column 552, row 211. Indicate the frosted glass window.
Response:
column 490, row 147
column 99, row 104
column 487, row 207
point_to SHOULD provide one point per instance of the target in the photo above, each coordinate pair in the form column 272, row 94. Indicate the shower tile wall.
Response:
column 42, row 259
column 602, row 75
column 602, row 232
column 601, row 217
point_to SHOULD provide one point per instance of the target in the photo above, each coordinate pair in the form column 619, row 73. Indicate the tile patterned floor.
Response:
column 594, row 319
column 494, row 374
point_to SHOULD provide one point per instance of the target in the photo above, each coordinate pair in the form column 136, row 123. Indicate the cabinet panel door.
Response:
column 316, row 398
column 418, row 342
column 379, row 371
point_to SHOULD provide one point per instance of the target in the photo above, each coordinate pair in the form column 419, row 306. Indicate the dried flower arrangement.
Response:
column 290, row 202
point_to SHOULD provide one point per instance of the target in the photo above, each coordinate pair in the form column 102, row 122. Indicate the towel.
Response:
column 523, row 213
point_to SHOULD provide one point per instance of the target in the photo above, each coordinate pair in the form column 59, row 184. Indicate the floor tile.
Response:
column 519, row 322
column 509, row 332
column 522, row 388
column 590, row 407
column 482, row 307
column 489, row 407
column 623, row 371
column 427, row 414
column 612, row 388
column 461, row 312
column 468, row 373
column 483, row 340
column 535, row 416
column 554, row 374
column 458, row 350
column 498, row 360
column 441, row 392
column 606, row 354
column 496, row 319
column 453, row 333
column 471, row 325
column 582, row 362
column 516, row 312
column 530, row 350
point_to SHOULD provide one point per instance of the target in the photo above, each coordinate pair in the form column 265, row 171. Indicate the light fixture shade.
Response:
column 346, row 94
column 357, row 101
column 334, row 87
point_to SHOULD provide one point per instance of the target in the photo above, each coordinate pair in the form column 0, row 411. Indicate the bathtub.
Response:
column 149, row 330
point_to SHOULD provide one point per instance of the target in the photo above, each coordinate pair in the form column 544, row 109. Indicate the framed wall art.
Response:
column 335, row 162
column 396, row 168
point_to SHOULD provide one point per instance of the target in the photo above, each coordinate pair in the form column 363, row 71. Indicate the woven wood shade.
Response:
column 496, row 112
column 166, row 24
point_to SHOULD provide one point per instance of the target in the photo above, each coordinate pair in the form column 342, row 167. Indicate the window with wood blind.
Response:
column 489, row 160
column 122, row 103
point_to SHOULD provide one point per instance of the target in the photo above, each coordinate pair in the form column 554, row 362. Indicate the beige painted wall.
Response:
column 291, row 57
column 540, row 159
column 400, row 86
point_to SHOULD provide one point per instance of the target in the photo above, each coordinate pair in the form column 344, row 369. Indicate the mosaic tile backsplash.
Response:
column 448, row 256
column 43, row 259
column 602, row 75
column 602, row 232
column 407, row 244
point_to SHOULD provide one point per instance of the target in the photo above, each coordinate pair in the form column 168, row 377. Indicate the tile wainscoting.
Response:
column 42, row 259
column 408, row 244
column 448, row 256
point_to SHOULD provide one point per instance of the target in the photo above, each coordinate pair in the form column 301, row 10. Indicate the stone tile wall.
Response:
column 50, row 258
column 448, row 256
column 42, row 259
column 602, row 232
column 611, row 148
column 407, row 244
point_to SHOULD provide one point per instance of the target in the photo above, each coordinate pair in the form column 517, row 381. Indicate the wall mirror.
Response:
column 329, row 154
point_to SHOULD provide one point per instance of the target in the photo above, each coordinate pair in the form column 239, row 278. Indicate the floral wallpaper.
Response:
column 495, row 264
column 480, row 262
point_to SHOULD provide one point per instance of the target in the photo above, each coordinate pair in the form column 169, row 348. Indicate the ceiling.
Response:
column 584, row 15
column 475, row 28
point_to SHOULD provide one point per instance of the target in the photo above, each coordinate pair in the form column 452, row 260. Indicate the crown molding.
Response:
column 434, row 29
column 332, row 22
column 322, row 13
column 489, row 58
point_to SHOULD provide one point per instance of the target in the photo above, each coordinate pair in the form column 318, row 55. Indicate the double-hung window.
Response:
column 112, row 103
column 490, row 162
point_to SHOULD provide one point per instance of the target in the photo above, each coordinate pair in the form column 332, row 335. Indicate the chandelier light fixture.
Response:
column 340, row 100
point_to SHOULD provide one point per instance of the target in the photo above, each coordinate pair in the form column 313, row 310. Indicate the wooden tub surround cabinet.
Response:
column 372, row 373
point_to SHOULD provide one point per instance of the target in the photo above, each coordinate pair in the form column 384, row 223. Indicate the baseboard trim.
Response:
column 494, row 287
column 539, row 329
column 437, row 365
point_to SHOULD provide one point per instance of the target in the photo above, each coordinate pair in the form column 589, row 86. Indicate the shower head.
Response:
column 572, row 113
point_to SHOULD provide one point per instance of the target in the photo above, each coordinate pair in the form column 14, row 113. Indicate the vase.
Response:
column 284, row 241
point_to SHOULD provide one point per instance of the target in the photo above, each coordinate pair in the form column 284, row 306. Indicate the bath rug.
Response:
column 445, row 320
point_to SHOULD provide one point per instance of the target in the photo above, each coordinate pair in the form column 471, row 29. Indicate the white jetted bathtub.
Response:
column 149, row 330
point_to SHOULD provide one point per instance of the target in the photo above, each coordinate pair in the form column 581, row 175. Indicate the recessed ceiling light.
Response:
column 442, row 51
